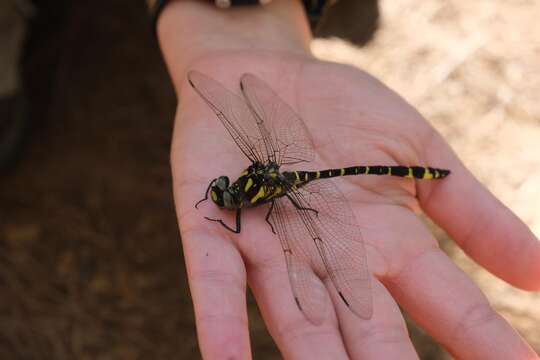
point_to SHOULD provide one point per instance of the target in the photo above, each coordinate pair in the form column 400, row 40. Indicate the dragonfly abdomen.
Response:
column 416, row 172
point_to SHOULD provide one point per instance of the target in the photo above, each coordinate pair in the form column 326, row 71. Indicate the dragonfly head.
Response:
column 221, row 194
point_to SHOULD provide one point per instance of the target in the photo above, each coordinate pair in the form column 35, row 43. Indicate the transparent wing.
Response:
column 308, row 290
column 338, row 239
column 233, row 112
column 286, row 138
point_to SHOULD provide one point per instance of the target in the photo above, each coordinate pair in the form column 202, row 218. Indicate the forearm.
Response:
column 190, row 30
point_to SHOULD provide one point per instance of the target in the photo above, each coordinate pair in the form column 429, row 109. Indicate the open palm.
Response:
column 353, row 120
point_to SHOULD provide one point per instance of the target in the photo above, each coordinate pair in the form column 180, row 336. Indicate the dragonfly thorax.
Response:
column 258, row 184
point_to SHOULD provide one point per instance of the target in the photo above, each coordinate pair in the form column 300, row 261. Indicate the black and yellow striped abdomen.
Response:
column 416, row 172
column 257, row 186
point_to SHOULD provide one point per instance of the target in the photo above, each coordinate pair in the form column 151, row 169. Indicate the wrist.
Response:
column 190, row 30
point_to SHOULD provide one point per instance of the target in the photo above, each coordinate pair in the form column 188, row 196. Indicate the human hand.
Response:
column 354, row 120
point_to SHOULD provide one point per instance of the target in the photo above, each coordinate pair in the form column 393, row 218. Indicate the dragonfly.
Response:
column 316, row 227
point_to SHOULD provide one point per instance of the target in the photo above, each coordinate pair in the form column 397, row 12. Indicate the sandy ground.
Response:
column 89, row 271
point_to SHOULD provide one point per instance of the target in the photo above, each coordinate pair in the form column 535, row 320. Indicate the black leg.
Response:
column 205, row 195
column 238, row 224
column 299, row 207
column 238, row 221
column 267, row 218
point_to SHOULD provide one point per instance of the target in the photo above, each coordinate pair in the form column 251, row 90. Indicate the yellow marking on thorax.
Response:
column 244, row 173
column 306, row 178
column 367, row 169
column 214, row 195
column 436, row 174
column 259, row 195
column 318, row 175
column 356, row 170
column 410, row 173
column 330, row 173
column 427, row 174
column 389, row 170
column 342, row 171
column 276, row 192
column 249, row 184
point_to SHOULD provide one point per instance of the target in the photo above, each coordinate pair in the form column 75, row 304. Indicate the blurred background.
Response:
column 90, row 271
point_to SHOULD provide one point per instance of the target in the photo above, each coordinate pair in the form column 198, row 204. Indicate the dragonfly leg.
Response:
column 237, row 230
column 267, row 218
column 206, row 194
column 300, row 207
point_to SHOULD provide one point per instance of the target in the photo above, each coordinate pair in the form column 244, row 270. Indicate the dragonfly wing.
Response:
column 233, row 112
column 287, row 140
column 338, row 239
column 308, row 290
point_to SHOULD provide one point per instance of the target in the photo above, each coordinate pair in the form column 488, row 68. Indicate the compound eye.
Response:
column 222, row 183
column 228, row 200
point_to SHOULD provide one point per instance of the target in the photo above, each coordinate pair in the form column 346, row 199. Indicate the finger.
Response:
column 296, row 337
column 481, row 225
column 217, row 282
column 384, row 336
column 445, row 302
